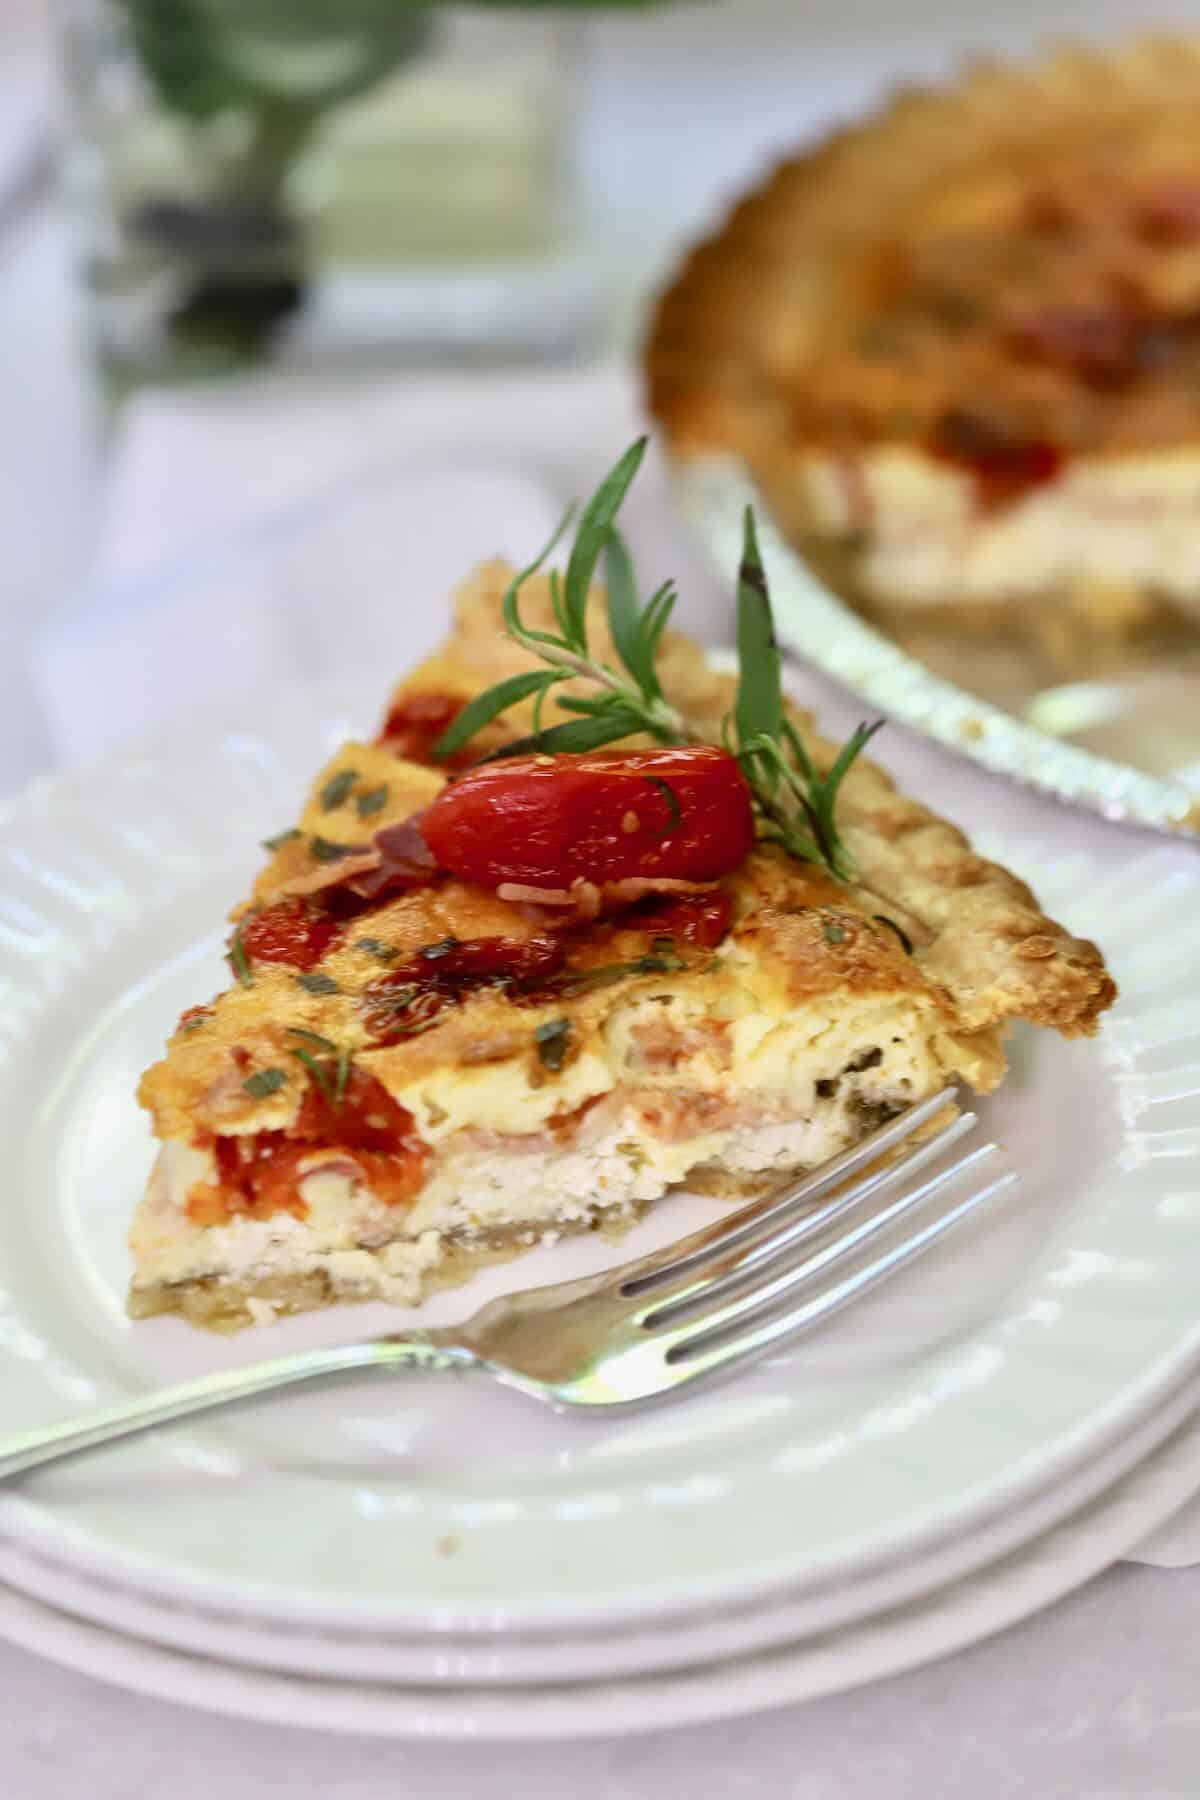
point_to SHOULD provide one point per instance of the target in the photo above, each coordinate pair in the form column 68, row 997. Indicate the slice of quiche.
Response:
column 958, row 348
column 474, row 1006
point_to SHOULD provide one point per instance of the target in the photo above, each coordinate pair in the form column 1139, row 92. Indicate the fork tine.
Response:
column 667, row 1267
column 715, row 1349
column 773, row 1251
column 750, row 1305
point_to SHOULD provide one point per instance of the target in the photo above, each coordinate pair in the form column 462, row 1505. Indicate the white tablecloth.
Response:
column 1093, row 1700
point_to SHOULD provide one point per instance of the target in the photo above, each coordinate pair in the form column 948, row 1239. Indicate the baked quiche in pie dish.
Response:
column 958, row 349
column 507, row 978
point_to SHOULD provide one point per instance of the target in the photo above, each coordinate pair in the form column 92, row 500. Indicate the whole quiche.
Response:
column 958, row 348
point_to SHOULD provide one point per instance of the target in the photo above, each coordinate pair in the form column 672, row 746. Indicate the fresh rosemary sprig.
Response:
column 795, row 800
column 629, row 702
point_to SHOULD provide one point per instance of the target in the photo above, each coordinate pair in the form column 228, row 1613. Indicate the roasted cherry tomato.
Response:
column 406, row 1001
column 261, row 1172
column 417, row 721
column 607, row 815
column 702, row 920
column 365, row 1118
column 1003, row 466
column 292, row 931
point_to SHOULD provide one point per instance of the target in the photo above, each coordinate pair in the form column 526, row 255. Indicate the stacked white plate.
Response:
column 425, row 1556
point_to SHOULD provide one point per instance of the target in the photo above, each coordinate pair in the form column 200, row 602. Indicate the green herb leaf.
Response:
column 487, row 706
column 318, row 1076
column 655, row 620
column 384, row 953
column 656, row 962
column 280, row 839
column 324, row 850
column 590, row 539
column 318, row 984
column 373, row 802
column 239, row 962
column 196, row 1021
column 577, row 734
column 509, row 605
column 336, row 791
column 758, row 709
column 342, row 1080
column 624, row 613
column 435, row 952
column 264, row 1083
column 553, row 1041
column 554, row 583
column 312, row 1037
column 832, row 932
column 818, row 796
column 661, row 962
column 590, row 708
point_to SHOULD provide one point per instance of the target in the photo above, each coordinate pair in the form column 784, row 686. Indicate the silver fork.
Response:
column 632, row 1336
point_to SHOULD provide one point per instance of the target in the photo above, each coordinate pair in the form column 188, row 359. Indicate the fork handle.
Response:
column 30, row 1449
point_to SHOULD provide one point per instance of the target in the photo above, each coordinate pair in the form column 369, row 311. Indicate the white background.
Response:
column 1097, row 1698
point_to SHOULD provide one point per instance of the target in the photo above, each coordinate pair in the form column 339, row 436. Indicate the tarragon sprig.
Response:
column 794, row 799
column 630, row 700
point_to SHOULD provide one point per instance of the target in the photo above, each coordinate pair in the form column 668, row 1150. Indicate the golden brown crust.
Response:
column 750, row 324
column 223, row 1305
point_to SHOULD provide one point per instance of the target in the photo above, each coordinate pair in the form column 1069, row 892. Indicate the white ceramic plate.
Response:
column 946, row 1619
column 1032, row 1341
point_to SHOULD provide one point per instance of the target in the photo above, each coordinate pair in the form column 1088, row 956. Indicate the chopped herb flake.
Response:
column 336, row 791
column 553, row 1040
column 239, row 962
column 434, row 952
column 375, row 947
column 373, row 802
column 658, row 962
column 318, row 984
column 195, row 1022
column 325, row 850
column 264, row 1083
column 345, row 1058
column 833, row 932
column 280, row 839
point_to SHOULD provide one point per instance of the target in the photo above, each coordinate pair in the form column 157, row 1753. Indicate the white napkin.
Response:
column 267, row 532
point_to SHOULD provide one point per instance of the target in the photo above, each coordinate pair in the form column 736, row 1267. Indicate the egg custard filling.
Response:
column 476, row 1003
